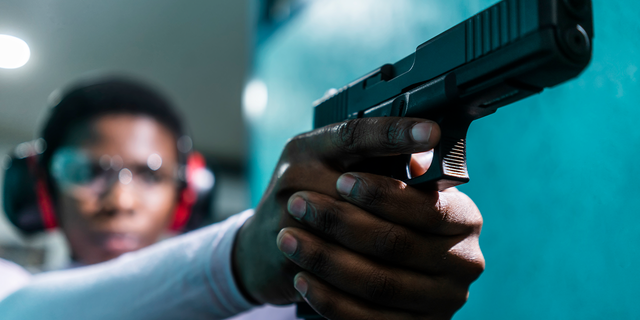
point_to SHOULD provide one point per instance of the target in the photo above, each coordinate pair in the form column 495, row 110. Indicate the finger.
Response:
column 445, row 213
column 373, row 236
column 358, row 139
column 312, row 176
column 294, row 177
column 334, row 304
column 367, row 279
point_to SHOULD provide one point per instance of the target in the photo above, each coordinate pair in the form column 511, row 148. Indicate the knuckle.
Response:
column 471, row 265
column 293, row 142
column 304, row 144
column 452, row 215
column 473, row 216
column 392, row 242
column 464, row 212
column 346, row 135
column 327, row 218
column 317, row 262
column 380, row 286
column 294, row 146
column 435, row 212
column 395, row 134
column 371, row 196
column 476, row 219
column 476, row 267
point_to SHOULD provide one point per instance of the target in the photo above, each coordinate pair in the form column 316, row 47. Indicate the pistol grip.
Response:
column 449, row 165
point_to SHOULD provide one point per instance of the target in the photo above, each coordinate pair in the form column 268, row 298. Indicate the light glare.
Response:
column 154, row 162
column 203, row 179
column 14, row 52
column 255, row 99
column 125, row 176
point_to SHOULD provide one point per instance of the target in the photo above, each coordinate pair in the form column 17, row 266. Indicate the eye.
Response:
column 79, row 173
column 91, row 172
column 70, row 166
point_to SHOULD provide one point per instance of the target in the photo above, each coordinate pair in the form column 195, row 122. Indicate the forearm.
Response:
column 187, row 277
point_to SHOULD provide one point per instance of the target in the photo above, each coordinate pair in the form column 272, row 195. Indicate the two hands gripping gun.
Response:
column 503, row 54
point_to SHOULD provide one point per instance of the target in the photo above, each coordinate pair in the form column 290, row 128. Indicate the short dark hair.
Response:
column 112, row 95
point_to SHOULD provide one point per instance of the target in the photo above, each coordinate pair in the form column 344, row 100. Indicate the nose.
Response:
column 120, row 198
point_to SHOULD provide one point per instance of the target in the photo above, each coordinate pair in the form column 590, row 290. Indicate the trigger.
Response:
column 420, row 163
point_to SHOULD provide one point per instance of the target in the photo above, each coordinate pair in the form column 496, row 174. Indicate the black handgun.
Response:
column 505, row 53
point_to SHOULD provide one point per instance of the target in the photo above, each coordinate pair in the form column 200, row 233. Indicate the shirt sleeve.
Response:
column 12, row 278
column 186, row 277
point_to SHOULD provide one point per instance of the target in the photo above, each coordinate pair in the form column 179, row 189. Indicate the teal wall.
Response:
column 555, row 175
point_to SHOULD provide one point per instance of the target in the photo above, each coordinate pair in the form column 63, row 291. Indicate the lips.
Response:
column 120, row 242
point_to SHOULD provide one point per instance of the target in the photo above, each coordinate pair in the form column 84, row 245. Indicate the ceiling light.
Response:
column 254, row 99
column 14, row 52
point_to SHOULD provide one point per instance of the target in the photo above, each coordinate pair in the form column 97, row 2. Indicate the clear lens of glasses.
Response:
column 74, row 168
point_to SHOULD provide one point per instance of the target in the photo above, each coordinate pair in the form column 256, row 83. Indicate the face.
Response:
column 117, row 182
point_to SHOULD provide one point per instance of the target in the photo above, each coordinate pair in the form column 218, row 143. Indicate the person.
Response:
column 351, row 244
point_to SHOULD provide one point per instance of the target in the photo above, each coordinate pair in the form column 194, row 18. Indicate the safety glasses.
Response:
column 76, row 170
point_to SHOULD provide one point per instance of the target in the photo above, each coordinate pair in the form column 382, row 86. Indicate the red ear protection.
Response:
column 189, row 195
column 45, row 204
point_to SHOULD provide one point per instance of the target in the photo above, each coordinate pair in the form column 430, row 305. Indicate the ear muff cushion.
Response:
column 19, row 198
column 202, row 209
column 194, row 209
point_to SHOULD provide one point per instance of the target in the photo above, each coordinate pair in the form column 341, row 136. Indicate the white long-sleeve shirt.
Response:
column 186, row 277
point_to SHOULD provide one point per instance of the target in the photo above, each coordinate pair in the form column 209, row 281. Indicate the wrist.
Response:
column 240, row 263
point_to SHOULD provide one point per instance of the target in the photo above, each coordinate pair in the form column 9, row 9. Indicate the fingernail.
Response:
column 301, row 285
column 287, row 244
column 421, row 132
column 297, row 207
column 345, row 184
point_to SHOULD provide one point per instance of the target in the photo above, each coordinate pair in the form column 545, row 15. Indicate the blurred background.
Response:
column 554, row 175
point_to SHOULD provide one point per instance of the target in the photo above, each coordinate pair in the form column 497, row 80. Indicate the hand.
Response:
column 314, row 161
column 388, row 252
